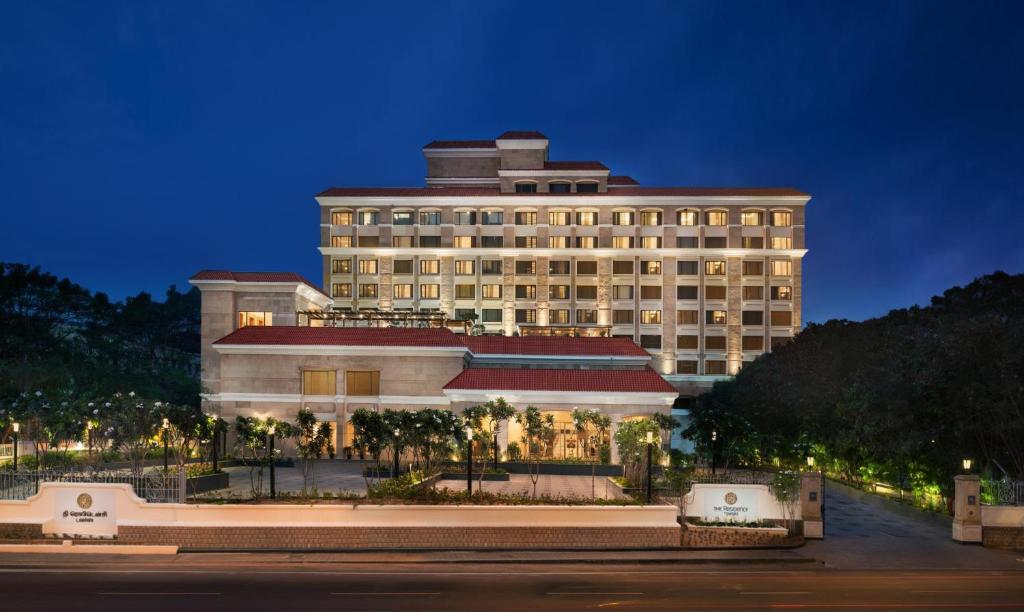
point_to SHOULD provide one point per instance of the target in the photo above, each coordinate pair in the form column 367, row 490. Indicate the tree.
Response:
column 632, row 440
column 369, row 432
column 313, row 439
column 536, row 428
column 133, row 424
column 251, row 438
column 186, row 427
column 786, row 490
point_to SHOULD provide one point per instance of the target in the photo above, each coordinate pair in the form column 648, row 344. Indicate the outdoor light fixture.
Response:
column 166, row 424
column 17, row 427
column 650, row 467
column 810, row 461
column 714, row 455
column 967, row 464
column 398, row 468
column 469, row 460
column 163, row 430
column 271, row 430
column 650, row 437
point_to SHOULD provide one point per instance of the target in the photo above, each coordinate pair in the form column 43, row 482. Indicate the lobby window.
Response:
column 782, row 267
column 686, row 366
column 401, row 218
column 714, row 242
column 401, row 242
column 686, row 292
column 586, row 268
column 558, row 316
column 367, row 266
column 752, row 217
column 650, row 267
column 714, row 267
column 526, row 242
column 402, row 292
column 782, row 293
column 430, row 291
column 465, row 314
column 753, row 343
column 752, row 317
column 341, row 266
column 686, row 268
column 526, row 218
column 430, row 218
column 622, row 317
column 251, row 318
column 622, row 267
column 490, row 315
column 689, row 217
column 650, row 341
column 559, row 187
column 465, row 267
column 686, row 317
column 650, row 217
column 465, row 292
column 430, row 266
column 586, row 292
column 319, row 382
column 586, row 218
column 369, row 241
column 403, row 266
column 559, row 218
column 492, row 242
column 342, row 290
column 714, row 366
column 686, row 242
column 368, row 217
column 586, row 316
column 622, row 292
column 717, row 217
column 463, row 242
column 650, row 317
column 430, row 242
column 526, row 292
column 782, row 242
column 650, row 242
column 715, row 317
column 586, row 242
column 490, row 266
column 559, row 292
column 686, row 342
column 753, row 242
column 526, row 267
column 341, row 217
column 782, row 318
column 781, row 218
column 622, row 218
column 526, row 187
column 714, row 292
column 753, row 268
column 526, row 315
column 650, row 292
column 341, row 242
column 558, row 242
column 465, row 217
column 362, row 383
column 490, row 292
column 368, row 290
column 558, row 268
column 753, row 292
column 714, row 343
column 492, row 217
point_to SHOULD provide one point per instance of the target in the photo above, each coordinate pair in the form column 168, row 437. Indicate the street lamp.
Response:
column 17, row 427
column 394, row 472
column 163, row 430
column 714, row 445
column 273, row 488
column 967, row 465
column 650, row 450
column 469, row 460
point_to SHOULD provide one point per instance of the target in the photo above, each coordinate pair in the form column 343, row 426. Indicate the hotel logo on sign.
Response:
column 84, row 501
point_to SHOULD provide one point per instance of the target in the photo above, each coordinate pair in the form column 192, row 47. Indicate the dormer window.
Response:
column 526, row 187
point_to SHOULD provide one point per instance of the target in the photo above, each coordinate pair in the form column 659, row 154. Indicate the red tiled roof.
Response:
column 532, row 379
column 465, row 192
column 555, row 346
column 409, row 192
column 574, row 165
column 434, row 337
column 254, row 277
column 460, row 144
column 622, row 180
column 708, row 191
column 514, row 135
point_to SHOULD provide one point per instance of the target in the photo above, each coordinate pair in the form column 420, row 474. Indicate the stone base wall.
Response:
column 1010, row 538
column 696, row 536
column 451, row 538
column 20, row 531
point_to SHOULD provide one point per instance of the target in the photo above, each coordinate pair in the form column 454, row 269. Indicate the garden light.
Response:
column 967, row 464
column 810, row 461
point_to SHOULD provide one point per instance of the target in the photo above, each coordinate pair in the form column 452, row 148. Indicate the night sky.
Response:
column 141, row 142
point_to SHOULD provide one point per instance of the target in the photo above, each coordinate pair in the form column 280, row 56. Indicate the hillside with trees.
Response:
column 56, row 336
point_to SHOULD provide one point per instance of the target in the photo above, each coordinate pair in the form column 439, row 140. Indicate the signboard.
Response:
column 84, row 511
column 738, row 505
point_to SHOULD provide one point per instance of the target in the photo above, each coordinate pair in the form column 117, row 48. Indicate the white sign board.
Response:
column 85, row 511
column 731, row 504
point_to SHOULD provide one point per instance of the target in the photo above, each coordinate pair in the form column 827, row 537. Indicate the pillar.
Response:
column 616, row 423
column 967, row 508
column 810, row 505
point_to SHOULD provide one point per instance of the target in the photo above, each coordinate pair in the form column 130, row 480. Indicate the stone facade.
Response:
column 698, row 536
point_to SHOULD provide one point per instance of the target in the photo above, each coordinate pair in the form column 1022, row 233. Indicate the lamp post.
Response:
column 967, row 465
column 810, row 461
column 469, row 460
column 88, row 432
column 163, row 430
column 17, row 427
column 216, row 443
column 650, row 451
column 495, row 451
column 397, row 468
column 714, row 447
column 273, row 485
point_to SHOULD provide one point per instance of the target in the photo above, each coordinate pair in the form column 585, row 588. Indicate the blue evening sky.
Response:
column 141, row 142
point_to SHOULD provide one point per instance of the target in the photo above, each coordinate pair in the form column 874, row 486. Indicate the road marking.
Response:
column 396, row 593
column 169, row 594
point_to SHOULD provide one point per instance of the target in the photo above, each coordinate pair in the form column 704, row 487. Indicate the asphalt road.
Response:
column 229, row 583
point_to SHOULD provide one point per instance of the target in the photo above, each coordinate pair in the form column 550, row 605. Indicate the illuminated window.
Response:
column 586, row 218
column 686, row 343
column 247, row 318
column 622, row 218
column 465, row 217
column 622, row 292
column 430, row 291
column 586, row 268
column 491, row 217
column 650, row 242
column 367, row 266
column 526, row 292
column 714, row 366
column 586, row 242
column 752, row 217
column 782, row 293
column 465, row 292
column 401, row 242
column 650, row 217
column 686, row 317
column 341, row 266
column 586, row 187
column 402, row 292
column 526, row 218
column 463, row 242
column 753, row 242
column 717, row 217
column 558, row 242
column 403, row 266
column 526, row 187
column 430, row 266
column 782, row 242
column 781, row 218
column 401, row 218
column 526, row 267
column 782, row 267
column 340, row 217
column 343, row 290
column 491, row 292
column 689, row 217
column 753, row 268
column 368, row 290
column 558, row 316
column 341, row 242
column 465, row 267
column 622, row 242
column 782, row 318
column 362, row 383
column 559, row 187
column 586, row 316
column 558, row 268
column 558, row 292
column 430, row 218
column 714, row 292
column 650, row 317
column 559, row 218
column 753, row 292
column 490, row 266
column 526, row 315
column 650, row 267
column 715, row 317
column 526, row 242
column 318, row 382
column 714, row 267
column 368, row 217
column 622, row 317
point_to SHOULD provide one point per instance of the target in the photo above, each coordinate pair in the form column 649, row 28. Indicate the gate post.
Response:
column 967, row 508
column 810, row 505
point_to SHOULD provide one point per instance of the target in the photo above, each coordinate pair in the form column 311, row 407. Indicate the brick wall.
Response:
column 20, row 531
column 695, row 536
column 1011, row 538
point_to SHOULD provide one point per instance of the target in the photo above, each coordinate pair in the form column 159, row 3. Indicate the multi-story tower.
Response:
column 703, row 278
